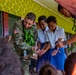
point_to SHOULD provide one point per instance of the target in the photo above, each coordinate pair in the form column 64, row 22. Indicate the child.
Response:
column 47, row 70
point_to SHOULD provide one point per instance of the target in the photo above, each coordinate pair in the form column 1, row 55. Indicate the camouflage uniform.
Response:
column 20, row 41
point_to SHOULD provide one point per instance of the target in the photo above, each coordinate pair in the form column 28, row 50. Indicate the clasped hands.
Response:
column 43, row 51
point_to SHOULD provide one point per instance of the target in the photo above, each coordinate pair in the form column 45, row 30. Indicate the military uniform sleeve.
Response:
column 18, row 38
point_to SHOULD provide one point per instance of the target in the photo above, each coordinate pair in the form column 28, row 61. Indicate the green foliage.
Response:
column 29, row 37
column 72, row 48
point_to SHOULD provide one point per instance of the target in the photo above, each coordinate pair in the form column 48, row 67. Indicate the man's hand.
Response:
column 37, row 51
column 26, row 57
column 34, row 48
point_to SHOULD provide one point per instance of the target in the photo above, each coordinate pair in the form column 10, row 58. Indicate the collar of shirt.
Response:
column 46, row 29
column 57, row 28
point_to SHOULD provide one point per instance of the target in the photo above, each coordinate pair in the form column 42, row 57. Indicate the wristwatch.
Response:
column 64, row 42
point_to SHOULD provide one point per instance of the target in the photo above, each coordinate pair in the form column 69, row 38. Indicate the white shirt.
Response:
column 42, row 35
column 52, row 37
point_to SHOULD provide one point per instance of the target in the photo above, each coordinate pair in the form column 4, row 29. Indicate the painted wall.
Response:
column 22, row 7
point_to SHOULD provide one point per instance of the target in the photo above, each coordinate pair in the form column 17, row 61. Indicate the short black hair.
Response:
column 43, row 17
column 51, row 19
column 31, row 16
column 59, row 7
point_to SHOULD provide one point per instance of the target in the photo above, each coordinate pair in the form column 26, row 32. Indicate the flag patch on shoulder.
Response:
column 15, row 31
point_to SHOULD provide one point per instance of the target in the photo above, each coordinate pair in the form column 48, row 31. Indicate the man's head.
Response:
column 51, row 21
column 64, row 11
column 29, row 20
column 42, row 22
column 70, row 64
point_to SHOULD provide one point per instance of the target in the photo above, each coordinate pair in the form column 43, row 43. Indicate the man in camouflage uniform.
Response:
column 24, row 37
